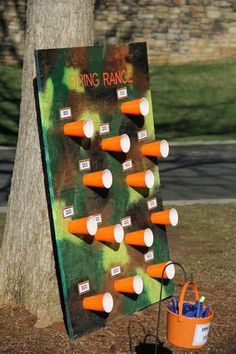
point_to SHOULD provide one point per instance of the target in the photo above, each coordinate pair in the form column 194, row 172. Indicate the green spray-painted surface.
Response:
column 75, row 78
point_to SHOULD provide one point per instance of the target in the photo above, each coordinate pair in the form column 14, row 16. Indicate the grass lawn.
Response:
column 190, row 102
column 196, row 101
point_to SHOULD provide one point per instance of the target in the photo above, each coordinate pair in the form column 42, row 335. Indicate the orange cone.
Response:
column 101, row 179
column 140, row 238
column 132, row 285
column 101, row 303
column 113, row 233
column 155, row 270
column 81, row 128
column 157, row 148
column 165, row 217
column 83, row 226
column 120, row 143
column 141, row 179
column 135, row 107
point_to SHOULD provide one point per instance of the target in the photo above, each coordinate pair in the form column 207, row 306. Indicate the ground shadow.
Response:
column 149, row 348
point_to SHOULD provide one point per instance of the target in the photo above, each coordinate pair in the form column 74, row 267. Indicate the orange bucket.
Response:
column 186, row 332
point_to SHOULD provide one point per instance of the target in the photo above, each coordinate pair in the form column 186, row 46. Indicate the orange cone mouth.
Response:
column 84, row 226
column 165, row 217
column 132, row 285
column 141, row 179
column 157, row 148
column 82, row 128
column 100, row 179
column 140, row 238
column 113, row 233
column 101, row 303
column 120, row 143
column 156, row 270
column 138, row 106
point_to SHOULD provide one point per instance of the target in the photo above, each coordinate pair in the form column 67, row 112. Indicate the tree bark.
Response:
column 27, row 268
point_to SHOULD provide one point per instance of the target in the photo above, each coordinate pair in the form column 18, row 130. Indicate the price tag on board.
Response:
column 149, row 256
column 126, row 222
column 104, row 129
column 98, row 218
column 142, row 134
column 115, row 271
column 65, row 113
column 152, row 203
column 68, row 211
column 122, row 93
column 83, row 287
column 84, row 165
column 127, row 165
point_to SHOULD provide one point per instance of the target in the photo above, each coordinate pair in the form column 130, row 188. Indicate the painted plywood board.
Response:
column 91, row 83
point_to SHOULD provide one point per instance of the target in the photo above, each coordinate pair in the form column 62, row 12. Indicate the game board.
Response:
column 90, row 84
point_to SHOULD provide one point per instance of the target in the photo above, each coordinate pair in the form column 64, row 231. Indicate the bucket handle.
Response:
column 182, row 295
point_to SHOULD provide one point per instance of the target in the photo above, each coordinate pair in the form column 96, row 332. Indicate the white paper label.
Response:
column 142, row 134
column 65, row 113
column 84, row 165
column 68, row 211
column 149, row 256
column 201, row 334
column 122, row 93
column 104, row 129
column 152, row 203
column 98, row 218
column 84, row 287
column 115, row 271
column 127, row 165
column 126, row 222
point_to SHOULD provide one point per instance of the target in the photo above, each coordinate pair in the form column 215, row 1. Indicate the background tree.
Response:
column 27, row 268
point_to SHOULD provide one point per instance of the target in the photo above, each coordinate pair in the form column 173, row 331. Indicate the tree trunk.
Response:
column 27, row 268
